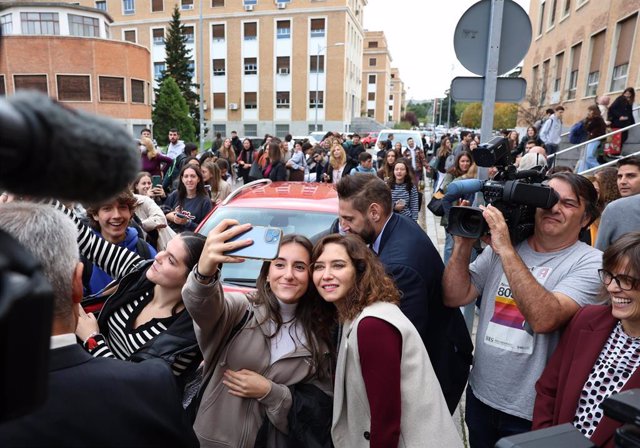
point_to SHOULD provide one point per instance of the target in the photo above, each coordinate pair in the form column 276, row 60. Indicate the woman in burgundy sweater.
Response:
column 152, row 161
column 386, row 392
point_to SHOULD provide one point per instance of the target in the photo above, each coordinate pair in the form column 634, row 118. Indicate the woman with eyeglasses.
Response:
column 599, row 352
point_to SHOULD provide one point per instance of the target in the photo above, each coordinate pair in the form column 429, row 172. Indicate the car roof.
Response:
column 309, row 196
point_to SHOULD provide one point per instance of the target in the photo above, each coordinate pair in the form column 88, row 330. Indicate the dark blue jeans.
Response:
column 488, row 425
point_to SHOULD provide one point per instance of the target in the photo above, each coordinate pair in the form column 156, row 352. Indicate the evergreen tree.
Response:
column 171, row 111
column 177, row 64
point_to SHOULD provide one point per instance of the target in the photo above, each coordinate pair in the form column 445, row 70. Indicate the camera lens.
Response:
column 470, row 223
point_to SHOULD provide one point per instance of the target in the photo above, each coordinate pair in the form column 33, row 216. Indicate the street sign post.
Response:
column 471, row 89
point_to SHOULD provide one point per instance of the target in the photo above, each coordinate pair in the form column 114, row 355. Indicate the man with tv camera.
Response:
column 533, row 278
column 53, row 392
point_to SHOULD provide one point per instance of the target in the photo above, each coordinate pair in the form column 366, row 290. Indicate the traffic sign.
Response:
column 471, row 37
column 471, row 89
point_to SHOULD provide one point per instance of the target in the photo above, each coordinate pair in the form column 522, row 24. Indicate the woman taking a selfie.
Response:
column 257, row 345
column 386, row 392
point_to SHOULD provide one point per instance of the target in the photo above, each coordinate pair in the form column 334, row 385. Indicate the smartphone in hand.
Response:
column 265, row 246
column 156, row 181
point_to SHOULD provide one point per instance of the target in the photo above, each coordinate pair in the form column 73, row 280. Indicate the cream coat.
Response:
column 425, row 420
column 224, row 420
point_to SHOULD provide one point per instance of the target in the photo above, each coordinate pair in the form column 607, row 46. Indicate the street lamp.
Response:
column 320, row 50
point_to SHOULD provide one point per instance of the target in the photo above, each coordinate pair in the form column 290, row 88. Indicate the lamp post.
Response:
column 201, row 73
column 320, row 50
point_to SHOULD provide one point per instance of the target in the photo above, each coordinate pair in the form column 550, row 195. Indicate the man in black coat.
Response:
column 413, row 262
column 90, row 401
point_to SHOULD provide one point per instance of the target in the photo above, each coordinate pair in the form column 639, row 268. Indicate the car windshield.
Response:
column 309, row 224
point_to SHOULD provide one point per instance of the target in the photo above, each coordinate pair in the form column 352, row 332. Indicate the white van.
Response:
column 401, row 136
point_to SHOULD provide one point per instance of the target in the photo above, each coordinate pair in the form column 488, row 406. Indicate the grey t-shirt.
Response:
column 509, row 357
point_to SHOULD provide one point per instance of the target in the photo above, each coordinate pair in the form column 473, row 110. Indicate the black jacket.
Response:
column 621, row 108
column 413, row 262
column 103, row 402
column 179, row 338
column 278, row 171
column 345, row 172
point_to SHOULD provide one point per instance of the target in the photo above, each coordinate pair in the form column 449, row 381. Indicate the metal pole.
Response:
column 201, row 70
column 440, row 114
column 315, row 127
column 449, row 110
column 491, row 70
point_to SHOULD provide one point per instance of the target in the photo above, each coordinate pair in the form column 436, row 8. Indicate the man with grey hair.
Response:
column 91, row 401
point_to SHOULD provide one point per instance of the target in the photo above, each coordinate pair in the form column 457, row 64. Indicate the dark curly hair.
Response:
column 372, row 284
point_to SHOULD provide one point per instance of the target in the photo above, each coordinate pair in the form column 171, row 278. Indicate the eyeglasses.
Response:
column 624, row 282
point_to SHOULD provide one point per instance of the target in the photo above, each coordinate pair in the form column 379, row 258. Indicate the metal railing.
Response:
column 579, row 145
column 604, row 165
column 568, row 132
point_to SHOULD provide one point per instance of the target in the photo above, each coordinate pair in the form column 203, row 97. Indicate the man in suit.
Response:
column 91, row 401
column 413, row 262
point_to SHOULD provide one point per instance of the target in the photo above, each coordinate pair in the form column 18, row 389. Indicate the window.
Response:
column 390, row 97
column 218, row 67
column 3, row 89
column 186, row 4
column 128, row 7
column 557, row 81
column 372, row 62
column 40, row 23
column 111, row 89
column 283, row 65
column 220, row 128
column 101, row 5
column 316, row 64
column 83, row 26
column 188, row 33
column 74, row 88
column 320, row 99
column 250, row 100
column 576, row 51
column 312, row 128
column 158, row 36
column 6, row 25
column 597, row 51
column 250, row 30
column 372, row 79
column 250, row 129
column 157, row 5
column 552, row 13
column 283, row 29
column 130, row 36
column 371, row 96
column 541, row 19
column 317, row 28
column 567, row 8
column 626, row 30
column 545, row 81
column 282, row 100
column 191, row 68
column 373, row 44
column 217, row 32
column 34, row 82
column 250, row 66
column 137, row 91
column 371, row 113
column 393, row 75
column 158, row 68
column 534, row 77
column 282, row 130
column 219, row 100
column 217, row 3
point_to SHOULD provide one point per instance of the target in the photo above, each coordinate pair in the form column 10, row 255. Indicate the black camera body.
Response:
column 515, row 194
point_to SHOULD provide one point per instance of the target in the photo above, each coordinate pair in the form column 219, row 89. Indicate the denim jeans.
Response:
column 591, row 155
column 488, row 425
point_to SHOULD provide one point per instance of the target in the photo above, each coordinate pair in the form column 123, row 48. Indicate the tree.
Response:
column 177, row 60
column 422, row 110
column 504, row 116
column 171, row 111
column 410, row 117
column 531, row 109
column 472, row 116
column 445, row 110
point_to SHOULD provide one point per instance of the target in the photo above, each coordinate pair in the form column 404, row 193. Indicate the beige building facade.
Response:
column 581, row 49
column 376, row 76
column 269, row 66
column 65, row 51
column 397, row 98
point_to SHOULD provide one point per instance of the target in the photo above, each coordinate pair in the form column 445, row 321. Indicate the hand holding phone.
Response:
column 156, row 181
column 265, row 246
column 181, row 215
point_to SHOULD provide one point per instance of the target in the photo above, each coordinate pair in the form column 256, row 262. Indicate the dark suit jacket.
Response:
column 103, row 402
column 415, row 265
column 558, row 389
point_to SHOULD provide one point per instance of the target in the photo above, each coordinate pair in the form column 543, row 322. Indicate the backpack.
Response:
column 577, row 133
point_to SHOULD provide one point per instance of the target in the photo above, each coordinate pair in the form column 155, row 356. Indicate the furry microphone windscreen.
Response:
column 48, row 150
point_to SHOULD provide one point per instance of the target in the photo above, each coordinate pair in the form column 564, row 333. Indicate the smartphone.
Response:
column 181, row 216
column 266, row 243
column 156, row 181
column 208, row 188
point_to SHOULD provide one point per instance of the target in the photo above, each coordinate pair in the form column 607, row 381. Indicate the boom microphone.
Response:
column 49, row 150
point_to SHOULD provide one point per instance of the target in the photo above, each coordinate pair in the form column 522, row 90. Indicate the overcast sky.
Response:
column 420, row 38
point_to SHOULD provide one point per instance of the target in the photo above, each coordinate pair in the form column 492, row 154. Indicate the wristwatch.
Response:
column 205, row 279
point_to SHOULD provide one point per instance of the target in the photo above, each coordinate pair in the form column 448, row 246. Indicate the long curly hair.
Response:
column 408, row 178
column 372, row 284
column 316, row 317
column 607, row 179
column 333, row 161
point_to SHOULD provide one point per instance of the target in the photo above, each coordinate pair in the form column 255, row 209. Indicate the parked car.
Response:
column 370, row 140
column 296, row 207
column 318, row 135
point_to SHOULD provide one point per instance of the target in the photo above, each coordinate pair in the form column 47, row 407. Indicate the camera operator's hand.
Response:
column 500, row 241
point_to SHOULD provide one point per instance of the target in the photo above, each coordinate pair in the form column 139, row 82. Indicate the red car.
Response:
column 370, row 140
column 306, row 208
